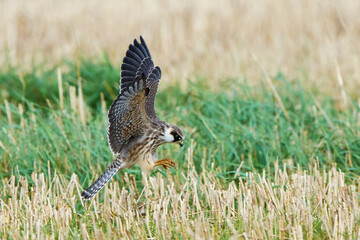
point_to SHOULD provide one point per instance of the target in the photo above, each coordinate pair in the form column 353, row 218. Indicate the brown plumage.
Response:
column 135, row 131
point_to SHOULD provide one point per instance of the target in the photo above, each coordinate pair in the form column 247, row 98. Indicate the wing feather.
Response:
column 145, row 46
column 130, row 61
column 145, row 52
column 152, row 83
column 128, row 73
column 137, row 51
column 127, row 116
column 132, row 55
column 138, row 64
column 128, row 67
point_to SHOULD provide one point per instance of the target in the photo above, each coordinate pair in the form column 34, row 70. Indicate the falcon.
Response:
column 135, row 131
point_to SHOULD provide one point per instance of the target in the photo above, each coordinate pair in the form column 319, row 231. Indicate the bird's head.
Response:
column 173, row 134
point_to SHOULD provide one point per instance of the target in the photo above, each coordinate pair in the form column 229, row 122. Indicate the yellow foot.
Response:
column 166, row 163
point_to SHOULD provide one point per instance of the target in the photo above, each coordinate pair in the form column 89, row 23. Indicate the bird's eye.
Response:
column 176, row 136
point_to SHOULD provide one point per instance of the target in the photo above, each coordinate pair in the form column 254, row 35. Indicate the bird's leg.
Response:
column 166, row 163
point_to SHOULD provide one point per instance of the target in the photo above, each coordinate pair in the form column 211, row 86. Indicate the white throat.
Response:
column 167, row 136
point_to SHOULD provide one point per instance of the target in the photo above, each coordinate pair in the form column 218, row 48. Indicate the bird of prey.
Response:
column 135, row 131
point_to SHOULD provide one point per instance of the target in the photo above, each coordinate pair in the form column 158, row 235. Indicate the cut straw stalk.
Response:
column 81, row 104
column 293, row 204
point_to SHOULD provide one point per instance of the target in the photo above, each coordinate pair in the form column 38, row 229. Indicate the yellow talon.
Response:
column 166, row 163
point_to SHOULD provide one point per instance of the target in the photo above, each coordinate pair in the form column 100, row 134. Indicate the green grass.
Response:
column 242, row 124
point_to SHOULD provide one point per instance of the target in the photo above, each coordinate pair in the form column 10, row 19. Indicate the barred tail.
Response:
column 102, row 180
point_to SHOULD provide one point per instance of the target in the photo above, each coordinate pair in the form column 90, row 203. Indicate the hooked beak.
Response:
column 181, row 142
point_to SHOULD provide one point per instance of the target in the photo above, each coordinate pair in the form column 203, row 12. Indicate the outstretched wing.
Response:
column 127, row 115
column 137, row 63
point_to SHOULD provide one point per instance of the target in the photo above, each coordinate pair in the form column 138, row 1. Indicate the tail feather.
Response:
column 102, row 180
